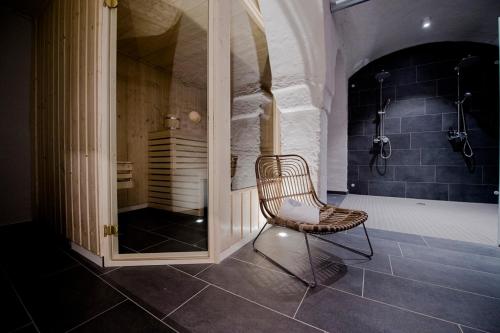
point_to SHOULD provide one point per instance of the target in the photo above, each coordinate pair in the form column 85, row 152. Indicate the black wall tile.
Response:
column 360, row 187
column 416, row 90
column 430, row 191
column 430, row 140
column 440, row 105
column 490, row 175
column 404, row 157
column 387, row 189
column 360, row 142
column 415, row 173
column 406, row 108
column 436, row 70
column 422, row 87
column 369, row 173
column 442, row 156
column 426, row 123
column 458, row 175
column 400, row 141
column 473, row 193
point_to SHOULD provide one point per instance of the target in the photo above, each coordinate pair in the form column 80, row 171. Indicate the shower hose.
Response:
column 466, row 149
column 382, row 145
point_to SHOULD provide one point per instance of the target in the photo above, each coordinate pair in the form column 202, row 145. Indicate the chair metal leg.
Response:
column 308, row 283
column 351, row 249
column 311, row 284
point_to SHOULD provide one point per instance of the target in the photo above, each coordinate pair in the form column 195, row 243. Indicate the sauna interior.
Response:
column 161, row 120
column 161, row 126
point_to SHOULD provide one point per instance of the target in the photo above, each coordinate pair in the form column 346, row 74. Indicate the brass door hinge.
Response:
column 111, row 3
column 110, row 230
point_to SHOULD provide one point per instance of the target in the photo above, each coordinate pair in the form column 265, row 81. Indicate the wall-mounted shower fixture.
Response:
column 459, row 136
column 381, row 139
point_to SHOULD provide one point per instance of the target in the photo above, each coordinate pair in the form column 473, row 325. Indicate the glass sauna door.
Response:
column 161, row 127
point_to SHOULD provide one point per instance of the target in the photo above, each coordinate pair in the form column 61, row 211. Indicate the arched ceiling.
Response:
column 378, row 27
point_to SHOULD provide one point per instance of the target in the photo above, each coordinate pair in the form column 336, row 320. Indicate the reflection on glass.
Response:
column 162, row 125
column 251, row 104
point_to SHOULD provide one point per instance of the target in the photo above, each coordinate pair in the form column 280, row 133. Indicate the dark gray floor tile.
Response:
column 459, row 307
column 359, row 242
column 137, row 239
column 469, row 330
column 192, row 269
column 13, row 314
column 336, row 199
column 171, row 245
column 448, row 276
column 126, row 317
column 89, row 264
column 276, row 290
column 27, row 329
column 336, row 311
column 224, row 312
column 474, row 248
column 183, row 234
column 62, row 301
column 389, row 235
column 453, row 258
column 160, row 289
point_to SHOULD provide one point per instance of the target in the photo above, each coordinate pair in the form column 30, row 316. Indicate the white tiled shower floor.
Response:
column 470, row 222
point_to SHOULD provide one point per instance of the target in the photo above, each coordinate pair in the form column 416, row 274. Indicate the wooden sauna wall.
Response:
column 145, row 96
column 68, row 65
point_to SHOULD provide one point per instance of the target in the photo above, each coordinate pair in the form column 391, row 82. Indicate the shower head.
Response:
column 467, row 62
column 466, row 95
column 380, row 77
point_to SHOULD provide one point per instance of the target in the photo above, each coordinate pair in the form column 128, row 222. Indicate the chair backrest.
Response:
column 280, row 177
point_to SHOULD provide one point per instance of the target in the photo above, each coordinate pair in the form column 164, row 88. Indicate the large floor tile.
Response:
column 183, row 234
column 336, row 311
column 192, row 269
column 62, row 301
column 276, row 290
column 27, row 329
column 160, row 289
column 474, row 248
column 224, row 312
column 137, row 239
column 459, row 307
column 360, row 242
column 171, row 245
column 126, row 317
column 449, row 276
column 13, row 314
column 453, row 258
column 389, row 235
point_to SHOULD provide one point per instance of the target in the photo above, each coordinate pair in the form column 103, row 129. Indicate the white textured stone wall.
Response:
column 302, row 47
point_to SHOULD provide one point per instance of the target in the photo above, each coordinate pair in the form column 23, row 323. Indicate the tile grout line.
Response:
column 363, row 284
column 111, row 271
column 254, row 302
column 302, row 300
column 440, row 285
column 19, row 328
column 399, row 245
column 123, row 294
column 390, row 264
column 460, row 328
column 185, row 302
column 204, row 269
column 427, row 244
column 94, row 317
column 399, row 307
column 18, row 296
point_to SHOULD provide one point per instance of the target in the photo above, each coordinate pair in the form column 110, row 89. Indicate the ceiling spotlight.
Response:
column 199, row 221
column 426, row 23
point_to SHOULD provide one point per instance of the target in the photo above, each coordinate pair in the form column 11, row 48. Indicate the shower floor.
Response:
column 462, row 221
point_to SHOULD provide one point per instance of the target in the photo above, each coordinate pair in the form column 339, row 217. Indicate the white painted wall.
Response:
column 15, row 94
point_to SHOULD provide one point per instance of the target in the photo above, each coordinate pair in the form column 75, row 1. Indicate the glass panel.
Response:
column 161, row 125
column 251, row 105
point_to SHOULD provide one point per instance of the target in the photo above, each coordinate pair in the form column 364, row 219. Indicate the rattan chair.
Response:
column 287, row 176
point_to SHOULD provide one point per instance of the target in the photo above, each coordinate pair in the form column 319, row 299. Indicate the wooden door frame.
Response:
column 219, row 174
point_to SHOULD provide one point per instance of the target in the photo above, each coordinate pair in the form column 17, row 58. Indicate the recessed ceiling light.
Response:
column 426, row 23
column 282, row 234
column 199, row 221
